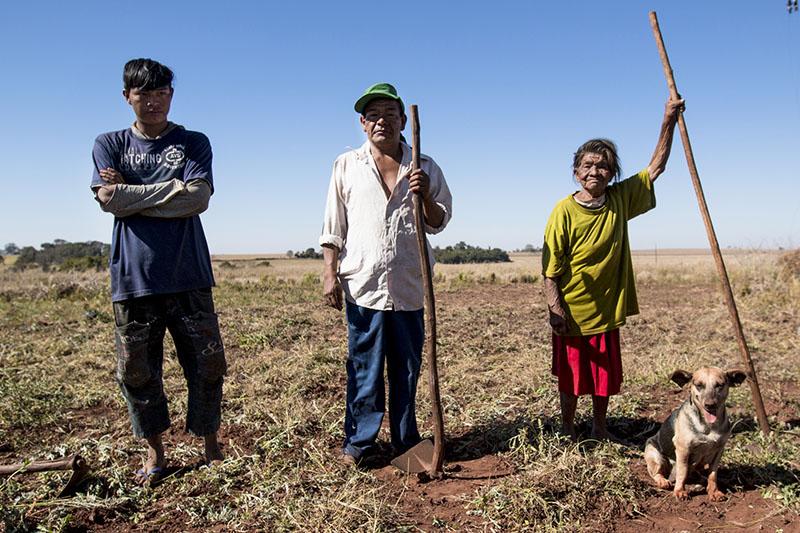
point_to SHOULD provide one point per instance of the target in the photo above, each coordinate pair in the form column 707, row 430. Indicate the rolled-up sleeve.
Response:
column 334, row 225
column 441, row 195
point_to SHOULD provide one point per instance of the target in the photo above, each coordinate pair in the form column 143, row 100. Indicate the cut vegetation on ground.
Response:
column 507, row 470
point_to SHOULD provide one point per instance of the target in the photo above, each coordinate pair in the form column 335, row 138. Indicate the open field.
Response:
column 507, row 469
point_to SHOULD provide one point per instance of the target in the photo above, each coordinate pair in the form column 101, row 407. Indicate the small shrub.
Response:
column 310, row 279
column 83, row 263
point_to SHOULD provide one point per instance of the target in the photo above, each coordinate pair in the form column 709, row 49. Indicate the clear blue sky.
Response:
column 507, row 91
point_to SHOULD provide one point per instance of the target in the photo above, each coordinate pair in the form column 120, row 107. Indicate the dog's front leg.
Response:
column 681, row 471
column 714, row 494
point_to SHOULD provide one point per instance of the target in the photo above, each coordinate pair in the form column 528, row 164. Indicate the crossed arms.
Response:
column 169, row 199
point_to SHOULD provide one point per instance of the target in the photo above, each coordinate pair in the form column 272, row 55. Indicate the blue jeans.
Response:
column 141, row 325
column 373, row 335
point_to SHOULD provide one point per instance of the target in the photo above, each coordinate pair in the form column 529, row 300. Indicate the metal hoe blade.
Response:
column 79, row 472
column 417, row 459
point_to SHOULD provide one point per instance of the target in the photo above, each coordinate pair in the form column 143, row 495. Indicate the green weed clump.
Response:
column 561, row 486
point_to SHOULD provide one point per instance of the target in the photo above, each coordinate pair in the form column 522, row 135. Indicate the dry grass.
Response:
column 283, row 404
column 789, row 264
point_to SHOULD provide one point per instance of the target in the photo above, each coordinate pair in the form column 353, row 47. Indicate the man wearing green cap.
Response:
column 369, row 242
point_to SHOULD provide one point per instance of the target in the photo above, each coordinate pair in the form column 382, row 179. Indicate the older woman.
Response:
column 588, row 276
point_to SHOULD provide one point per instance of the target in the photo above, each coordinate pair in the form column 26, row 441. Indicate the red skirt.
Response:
column 590, row 364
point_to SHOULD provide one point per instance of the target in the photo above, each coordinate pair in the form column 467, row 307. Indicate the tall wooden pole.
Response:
column 435, row 469
column 712, row 236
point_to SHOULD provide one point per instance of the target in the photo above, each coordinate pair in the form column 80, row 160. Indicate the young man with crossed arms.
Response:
column 155, row 178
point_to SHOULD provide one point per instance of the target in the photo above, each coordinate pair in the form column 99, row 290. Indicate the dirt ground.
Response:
column 506, row 467
column 745, row 509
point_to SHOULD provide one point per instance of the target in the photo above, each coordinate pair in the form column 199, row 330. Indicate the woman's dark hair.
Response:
column 605, row 148
column 146, row 75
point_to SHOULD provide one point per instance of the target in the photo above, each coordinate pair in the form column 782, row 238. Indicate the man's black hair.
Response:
column 146, row 75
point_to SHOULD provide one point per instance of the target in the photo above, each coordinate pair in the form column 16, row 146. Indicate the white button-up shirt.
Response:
column 379, row 265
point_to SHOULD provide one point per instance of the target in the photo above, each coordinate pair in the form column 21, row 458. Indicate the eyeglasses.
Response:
column 375, row 116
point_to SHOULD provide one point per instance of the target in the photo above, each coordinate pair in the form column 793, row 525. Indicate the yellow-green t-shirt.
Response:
column 588, row 251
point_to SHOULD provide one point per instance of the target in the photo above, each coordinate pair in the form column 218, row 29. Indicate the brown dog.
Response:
column 694, row 435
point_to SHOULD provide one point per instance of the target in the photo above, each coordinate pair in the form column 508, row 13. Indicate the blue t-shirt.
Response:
column 156, row 255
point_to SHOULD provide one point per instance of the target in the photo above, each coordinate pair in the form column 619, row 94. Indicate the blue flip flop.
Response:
column 150, row 477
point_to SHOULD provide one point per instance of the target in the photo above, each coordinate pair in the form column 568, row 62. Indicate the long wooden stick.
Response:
column 712, row 237
column 435, row 469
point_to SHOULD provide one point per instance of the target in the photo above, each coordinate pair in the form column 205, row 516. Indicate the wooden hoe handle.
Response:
column 435, row 469
column 73, row 462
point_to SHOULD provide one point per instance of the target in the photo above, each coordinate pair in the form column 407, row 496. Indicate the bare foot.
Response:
column 604, row 434
column 214, row 455
column 569, row 432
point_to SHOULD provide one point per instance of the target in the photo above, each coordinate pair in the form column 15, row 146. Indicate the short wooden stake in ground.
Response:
column 712, row 236
column 425, row 456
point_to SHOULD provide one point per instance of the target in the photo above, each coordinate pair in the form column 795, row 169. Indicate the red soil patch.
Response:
column 425, row 503
column 741, row 511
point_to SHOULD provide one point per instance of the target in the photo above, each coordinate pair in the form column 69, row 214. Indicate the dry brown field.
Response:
column 506, row 467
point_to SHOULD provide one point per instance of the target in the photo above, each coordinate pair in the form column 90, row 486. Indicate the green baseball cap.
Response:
column 379, row 90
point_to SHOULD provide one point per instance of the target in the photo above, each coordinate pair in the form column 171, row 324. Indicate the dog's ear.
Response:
column 735, row 377
column 681, row 377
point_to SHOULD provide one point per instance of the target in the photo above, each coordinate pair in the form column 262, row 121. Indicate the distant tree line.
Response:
column 464, row 253
column 309, row 253
column 529, row 248
column 460, row 253
column 62, row 255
